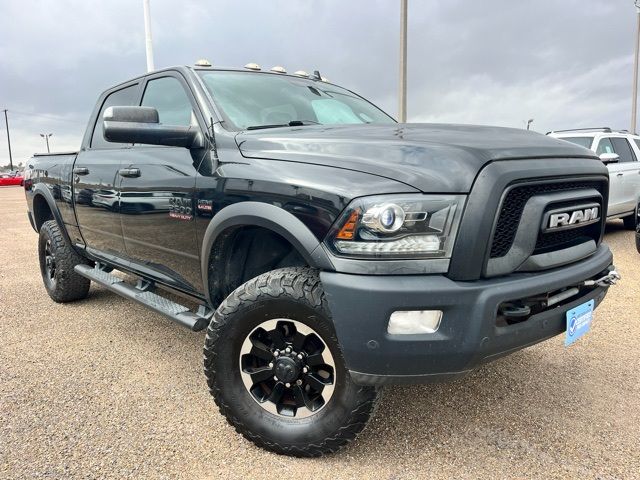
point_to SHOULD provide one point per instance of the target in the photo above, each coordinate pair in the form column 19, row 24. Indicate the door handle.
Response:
column 619, row 174
column 81, row 171
column 129, row 172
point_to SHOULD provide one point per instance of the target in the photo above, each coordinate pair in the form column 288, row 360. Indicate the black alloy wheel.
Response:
column 287, row 368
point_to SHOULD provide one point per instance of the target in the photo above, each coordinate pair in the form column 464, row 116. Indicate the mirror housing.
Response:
column 609, row 158
column 142, row 125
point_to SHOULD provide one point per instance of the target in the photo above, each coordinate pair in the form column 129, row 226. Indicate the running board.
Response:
column 142, row 293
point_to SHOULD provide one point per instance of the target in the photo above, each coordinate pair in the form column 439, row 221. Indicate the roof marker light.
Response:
column 252, row 66
column 203, row 62
column 301, row 73
column 279, row 69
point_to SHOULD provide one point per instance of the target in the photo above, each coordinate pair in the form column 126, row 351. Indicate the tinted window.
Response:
column 120, row 98
column 623, row 149
column 604, row 146
column 582, row 141
column 167, row 95
column 250, row 99
column 637, row 142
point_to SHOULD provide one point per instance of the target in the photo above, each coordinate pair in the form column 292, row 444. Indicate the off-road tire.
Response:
column 290, row 293
column 631, row 221
column 67, row 285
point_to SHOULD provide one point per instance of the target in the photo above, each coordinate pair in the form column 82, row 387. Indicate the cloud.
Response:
column 566, row 64
column 569, row 99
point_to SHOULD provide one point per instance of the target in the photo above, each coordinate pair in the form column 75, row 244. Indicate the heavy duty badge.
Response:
column 180, row 208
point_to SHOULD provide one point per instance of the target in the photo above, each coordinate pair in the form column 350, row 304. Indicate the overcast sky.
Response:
column 564, row 63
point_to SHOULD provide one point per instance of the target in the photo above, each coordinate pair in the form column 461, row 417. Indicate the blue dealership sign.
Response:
column 578, row 322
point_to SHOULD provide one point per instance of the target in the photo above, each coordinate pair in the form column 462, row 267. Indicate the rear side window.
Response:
column 623, row 149
column 637, row 142
column 582, row 141
column 168, row 96
column 605, row 146
column 125, row 97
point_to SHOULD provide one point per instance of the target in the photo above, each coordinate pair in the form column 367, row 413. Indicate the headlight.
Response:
column 398, row 227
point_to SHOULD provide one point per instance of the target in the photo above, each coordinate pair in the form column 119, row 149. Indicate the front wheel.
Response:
column 275, row 370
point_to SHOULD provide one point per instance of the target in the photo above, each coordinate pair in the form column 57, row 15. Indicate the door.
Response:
column 627, row 170
column 633, row 178
column 96, row 183
column 616, row 187
column 157, row 193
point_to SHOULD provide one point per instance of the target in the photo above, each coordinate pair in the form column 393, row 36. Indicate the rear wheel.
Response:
column 57, row 262
column 631, row 222
column 275, row 369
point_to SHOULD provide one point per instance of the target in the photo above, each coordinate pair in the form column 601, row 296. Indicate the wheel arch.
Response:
column 266, row 216
column 45, row 208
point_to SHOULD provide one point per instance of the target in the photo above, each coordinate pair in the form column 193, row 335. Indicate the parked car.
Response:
column 620, row 151
column 331, row 250
column 13, row 178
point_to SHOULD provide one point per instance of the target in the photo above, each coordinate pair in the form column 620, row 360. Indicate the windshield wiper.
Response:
column 292, row 123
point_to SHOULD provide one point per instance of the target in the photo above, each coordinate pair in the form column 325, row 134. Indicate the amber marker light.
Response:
column 348, row 230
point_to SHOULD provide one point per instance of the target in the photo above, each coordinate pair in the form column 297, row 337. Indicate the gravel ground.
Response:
column 104, row 388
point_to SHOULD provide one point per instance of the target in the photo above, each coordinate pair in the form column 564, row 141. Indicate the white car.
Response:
column 620, row 151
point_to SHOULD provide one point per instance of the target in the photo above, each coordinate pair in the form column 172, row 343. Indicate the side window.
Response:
column 637, row 142
column 604, row 146
column 167, row 95
column 623, row 149
column 127, row 96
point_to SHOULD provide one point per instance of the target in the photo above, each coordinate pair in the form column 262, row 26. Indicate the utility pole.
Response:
column 402, row 108
column 6, row 120
column 46, row 139
column 147, row 34
column 634, row 98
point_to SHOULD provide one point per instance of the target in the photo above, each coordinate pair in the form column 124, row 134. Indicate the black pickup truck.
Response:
column 327, row 249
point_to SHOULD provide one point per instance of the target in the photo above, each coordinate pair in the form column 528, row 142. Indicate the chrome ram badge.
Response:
column 563, row 219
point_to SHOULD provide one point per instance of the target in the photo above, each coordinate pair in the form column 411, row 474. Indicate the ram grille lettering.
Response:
column 576, row 217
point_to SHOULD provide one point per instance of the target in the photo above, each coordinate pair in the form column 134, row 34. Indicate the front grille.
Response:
column 551, row 241
column 511, row 211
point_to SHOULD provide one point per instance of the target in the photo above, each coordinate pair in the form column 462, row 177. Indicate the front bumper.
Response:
column 468, row 335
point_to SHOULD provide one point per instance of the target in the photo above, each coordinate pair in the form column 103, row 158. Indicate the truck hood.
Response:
column 430, row 157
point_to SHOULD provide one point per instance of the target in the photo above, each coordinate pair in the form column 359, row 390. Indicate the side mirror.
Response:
column 142, row 125
column 610, row 158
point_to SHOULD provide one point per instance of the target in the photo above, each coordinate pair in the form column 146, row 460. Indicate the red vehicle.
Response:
column 11, row 179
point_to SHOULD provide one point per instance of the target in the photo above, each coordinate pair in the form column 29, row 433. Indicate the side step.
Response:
column 142, row 294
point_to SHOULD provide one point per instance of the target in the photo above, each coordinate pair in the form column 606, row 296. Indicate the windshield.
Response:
column 249, row 99
column 582, row 141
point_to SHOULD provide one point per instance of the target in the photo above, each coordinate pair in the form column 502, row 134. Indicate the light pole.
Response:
column 634, row 97
column 6, row 120
column 46, row 139
column 529, row 122
column 402, row 107
column 147, row 34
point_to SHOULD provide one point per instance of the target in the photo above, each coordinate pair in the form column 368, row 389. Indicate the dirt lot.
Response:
column 104, row 388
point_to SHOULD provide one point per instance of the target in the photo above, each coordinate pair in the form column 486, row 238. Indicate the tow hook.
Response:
column 609, row 279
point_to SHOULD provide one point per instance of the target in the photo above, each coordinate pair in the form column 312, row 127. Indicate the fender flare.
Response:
column 267, row 216
column 40, row 189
